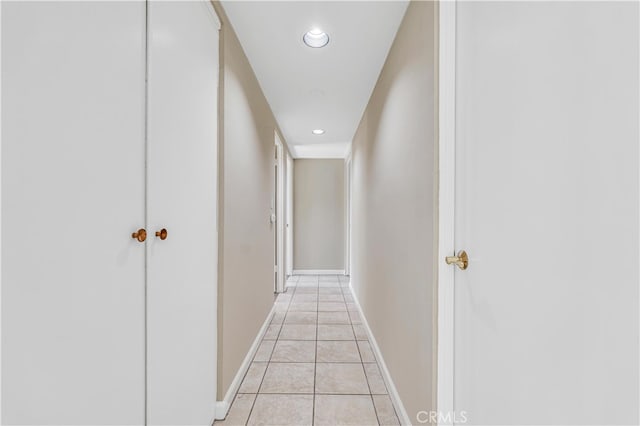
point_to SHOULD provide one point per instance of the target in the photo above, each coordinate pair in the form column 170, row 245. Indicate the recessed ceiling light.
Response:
column 317, row 131
column 315, row 38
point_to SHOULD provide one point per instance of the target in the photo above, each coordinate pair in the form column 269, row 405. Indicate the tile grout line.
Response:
column 308, row 290
column 315, row 360
column 366, row 376
column 265, row 370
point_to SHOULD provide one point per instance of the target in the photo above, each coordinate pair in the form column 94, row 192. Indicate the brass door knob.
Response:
column 461, row 260
column 162, row 234
column 141, row 235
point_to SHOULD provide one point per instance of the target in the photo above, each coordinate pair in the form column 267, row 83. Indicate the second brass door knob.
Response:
column 162, row 234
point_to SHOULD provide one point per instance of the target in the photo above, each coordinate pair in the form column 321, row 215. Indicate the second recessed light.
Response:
column 317, row 131
column 316, row 38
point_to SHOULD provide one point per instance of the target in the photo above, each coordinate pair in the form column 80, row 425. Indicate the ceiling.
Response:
column 323, row 88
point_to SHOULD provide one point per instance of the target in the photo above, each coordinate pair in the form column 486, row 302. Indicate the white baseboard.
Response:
column 391, row 387
column 222, row 407
column 318, row 272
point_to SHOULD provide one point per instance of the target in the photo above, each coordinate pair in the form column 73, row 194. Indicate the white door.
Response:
column 546, row 315
column 72, row 194
column 182, row 194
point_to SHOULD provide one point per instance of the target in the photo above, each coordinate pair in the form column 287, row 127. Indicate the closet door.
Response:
column 72, row 194
column 182, row 193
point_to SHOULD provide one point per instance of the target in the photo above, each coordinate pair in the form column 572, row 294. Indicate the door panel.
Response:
column 72, row 194
column 546, row 316
column 182, row 193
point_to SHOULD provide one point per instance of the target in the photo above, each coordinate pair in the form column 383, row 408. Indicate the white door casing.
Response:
column 279, row 211
column 289, row 223
column 72, row 276
column 546, row 205
column 182, row 198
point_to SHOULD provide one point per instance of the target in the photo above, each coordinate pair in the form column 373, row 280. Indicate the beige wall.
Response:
column 246, row 238
column 393, row 219
column 318, row 214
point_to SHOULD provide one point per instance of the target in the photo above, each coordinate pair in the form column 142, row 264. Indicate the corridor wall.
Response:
column 393, row 211
column 246, row 237
column 319, row 214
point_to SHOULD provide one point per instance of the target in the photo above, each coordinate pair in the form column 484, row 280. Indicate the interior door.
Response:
column 546, row 315
column 72, row 194
column 182, row 193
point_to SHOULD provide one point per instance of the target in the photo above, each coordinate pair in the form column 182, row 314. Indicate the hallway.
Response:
column 315, row 364
column 319, row 212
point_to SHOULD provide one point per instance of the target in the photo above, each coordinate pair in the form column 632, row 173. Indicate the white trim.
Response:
column 289, row 217
column 347, row 216
column 280, row 215
column 391, row 387
column 446, row 205
column 222, row 407
column 318, row 272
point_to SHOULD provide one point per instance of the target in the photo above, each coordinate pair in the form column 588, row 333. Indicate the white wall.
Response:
column 319, row 214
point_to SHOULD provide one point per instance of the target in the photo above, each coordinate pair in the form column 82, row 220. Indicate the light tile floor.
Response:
column 314, row 365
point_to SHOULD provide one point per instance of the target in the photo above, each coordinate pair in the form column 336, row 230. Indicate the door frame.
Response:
column 446, row 205
column 279, row 213
column 289, row 217
column 347, row 250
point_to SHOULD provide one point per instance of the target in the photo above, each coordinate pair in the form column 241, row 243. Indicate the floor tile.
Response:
column 298, row 332
column 355, row 317
column 304, row 297
column 338, row 351
column 288, row 378
column 281, row 307
column 282, row 410
column 308, row 278
column 294, row 351
column 272, row 332
column 303, row 307
column 386, row 413
column 331, row 298
column 360, row 332
column 335, row 332
column 283, row 297
column 309, row 289
column 340, row 378
column 339, row 317
column 278, row 318
column 239, row 412
column 290, row 365
column 253, row 378
column 325, row 278
column 301, row 318
column 264, row 351
column 331, row 306
column 365, row 351
column 374, row 377
column 329, row 290
column 334, row 410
